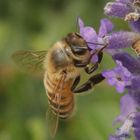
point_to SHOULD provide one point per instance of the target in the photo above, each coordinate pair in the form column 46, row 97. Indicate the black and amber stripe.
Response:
column 64, row 107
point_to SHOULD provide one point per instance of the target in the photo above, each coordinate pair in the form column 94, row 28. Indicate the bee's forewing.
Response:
column 30, row 61
column 52, row 122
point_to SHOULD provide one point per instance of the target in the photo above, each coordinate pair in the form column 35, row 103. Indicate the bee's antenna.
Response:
column 77, row 25
column 95, row 43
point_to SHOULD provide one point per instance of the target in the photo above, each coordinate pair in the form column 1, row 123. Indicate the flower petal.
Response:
column 109, row 74
column 114, row 138
column 80, row 23
column 137, row 133
column 112, row 81
column 137, row 126
column 122, row 39
column 132, row 64
column 105, row 27
column 135, row 25
column 125, row 1
column 90, row 36
column 88, row 33
column 135, row 83
column 116, row 77
column 135, row 94
column 94, row 59
column 128, row 105
column 120, row 86
column 117, row 9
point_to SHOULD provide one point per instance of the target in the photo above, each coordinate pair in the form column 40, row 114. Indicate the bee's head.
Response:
column 77, row 44
column 78, row 48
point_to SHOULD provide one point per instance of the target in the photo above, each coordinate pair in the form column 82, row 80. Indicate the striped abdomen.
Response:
column 61, row 101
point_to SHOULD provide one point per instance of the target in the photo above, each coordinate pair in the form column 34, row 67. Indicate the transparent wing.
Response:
column 30, row 61
column 53, row 117
column 52, row 121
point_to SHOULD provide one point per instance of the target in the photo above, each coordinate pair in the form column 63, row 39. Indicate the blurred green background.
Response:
column 36, row 25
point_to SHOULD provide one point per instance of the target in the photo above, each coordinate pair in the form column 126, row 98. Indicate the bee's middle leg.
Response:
column 96, row 79
column 75, row 83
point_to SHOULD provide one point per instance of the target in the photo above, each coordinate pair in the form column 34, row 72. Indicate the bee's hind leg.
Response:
column 96, row 79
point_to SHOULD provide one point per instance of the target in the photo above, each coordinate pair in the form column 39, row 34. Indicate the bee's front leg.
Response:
column 96, row 65
column 96, row 79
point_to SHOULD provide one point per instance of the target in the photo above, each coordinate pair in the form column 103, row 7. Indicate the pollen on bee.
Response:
column 136, row 47
column 132, row 16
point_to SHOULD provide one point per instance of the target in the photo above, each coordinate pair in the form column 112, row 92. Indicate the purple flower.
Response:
column 135, row 83
column 106, row 27
column 135, row 26
column 130, row 102
column 124, row 131
column 119, row 77
column 114, row 138
column 124, row 1
column 122, row 39
column 131, row 63
column 131, row 123
column 88, row 33
column 93, row 40
column 129, row 10
column 117, row 9
column 115, row 40
column 125, row 75
column 128, row 105
column 136, row 126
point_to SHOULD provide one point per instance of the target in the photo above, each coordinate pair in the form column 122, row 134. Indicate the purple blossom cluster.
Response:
column 129, row 10
column 126, row 75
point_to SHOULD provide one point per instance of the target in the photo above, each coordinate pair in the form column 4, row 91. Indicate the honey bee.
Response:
column 62, row 65
column 136, row 47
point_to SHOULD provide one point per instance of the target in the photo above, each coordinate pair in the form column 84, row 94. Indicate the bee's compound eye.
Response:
column 77, row 34
column 78, row 50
